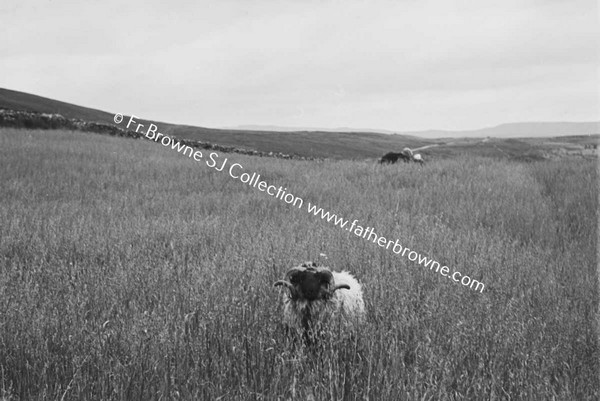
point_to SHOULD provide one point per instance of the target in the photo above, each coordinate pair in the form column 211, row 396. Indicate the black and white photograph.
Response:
column 299, row 200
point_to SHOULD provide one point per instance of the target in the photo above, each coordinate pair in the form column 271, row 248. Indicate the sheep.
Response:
column 392, row 158
column 418, row 158
column 320, row 300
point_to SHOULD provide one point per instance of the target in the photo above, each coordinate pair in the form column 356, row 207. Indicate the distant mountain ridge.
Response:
column 507, row 130
column 519, row 130
column 276, row 128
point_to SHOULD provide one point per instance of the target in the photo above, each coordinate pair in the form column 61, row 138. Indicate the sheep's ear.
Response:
column 340, row 286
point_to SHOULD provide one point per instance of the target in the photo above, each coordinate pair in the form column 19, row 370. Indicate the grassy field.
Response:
column 106, row 244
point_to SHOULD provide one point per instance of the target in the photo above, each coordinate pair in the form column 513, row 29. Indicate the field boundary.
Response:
column 34, row 120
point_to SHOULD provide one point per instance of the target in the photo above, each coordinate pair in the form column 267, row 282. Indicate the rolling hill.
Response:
column 341, row 145
column 346, row 144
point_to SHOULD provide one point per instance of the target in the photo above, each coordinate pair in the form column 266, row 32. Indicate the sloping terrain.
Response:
column 339, row 145
column 346, row 145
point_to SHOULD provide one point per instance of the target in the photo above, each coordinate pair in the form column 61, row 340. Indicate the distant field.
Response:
column 337, row 145
column 107, row 243
column 353, row 145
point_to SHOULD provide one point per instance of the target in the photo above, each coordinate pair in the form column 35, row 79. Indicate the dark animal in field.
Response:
column 320, row 300
column 406, row 156
column 391, row 158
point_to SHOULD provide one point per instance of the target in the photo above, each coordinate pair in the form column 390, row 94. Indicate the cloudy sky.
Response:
column 398, row 65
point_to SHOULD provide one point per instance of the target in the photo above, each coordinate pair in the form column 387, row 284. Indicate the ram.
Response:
column 320, row 300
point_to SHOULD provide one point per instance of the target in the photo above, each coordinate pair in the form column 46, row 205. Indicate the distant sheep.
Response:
column 392, row 158
column 320, row 299
column 418, row 158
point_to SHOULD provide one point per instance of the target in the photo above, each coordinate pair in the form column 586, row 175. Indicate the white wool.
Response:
column 349, row 301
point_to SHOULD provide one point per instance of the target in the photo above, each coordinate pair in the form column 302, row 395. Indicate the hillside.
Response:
column 355, row 145
column 340, row 145
column 14, row 100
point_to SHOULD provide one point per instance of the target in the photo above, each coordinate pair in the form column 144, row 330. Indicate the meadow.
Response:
column 107, row 244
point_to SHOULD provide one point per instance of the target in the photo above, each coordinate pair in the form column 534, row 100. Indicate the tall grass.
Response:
column 107, row 244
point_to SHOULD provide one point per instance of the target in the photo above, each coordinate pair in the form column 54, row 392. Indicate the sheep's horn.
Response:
column 283, row 282
column 340, row 286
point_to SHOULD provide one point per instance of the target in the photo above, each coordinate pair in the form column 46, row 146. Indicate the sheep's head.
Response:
column 310, row 282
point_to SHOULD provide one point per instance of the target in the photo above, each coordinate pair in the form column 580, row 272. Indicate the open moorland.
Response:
column 575, row 140
column 107, row 244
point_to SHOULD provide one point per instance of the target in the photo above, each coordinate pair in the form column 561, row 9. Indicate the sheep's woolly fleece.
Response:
column 344, row 307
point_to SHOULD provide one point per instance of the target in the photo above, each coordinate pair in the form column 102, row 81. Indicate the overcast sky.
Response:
column 397, row 65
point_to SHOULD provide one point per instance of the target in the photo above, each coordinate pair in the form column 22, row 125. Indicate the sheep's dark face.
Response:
column 309, row 282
